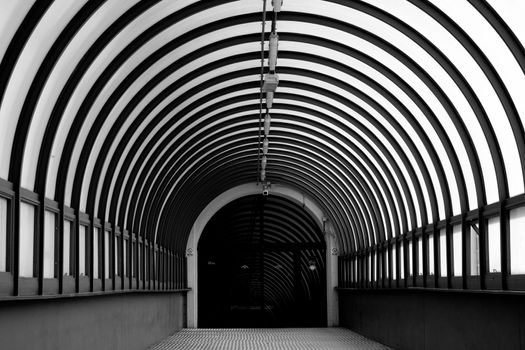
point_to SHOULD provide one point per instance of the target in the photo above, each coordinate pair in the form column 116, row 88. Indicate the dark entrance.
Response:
column 262, row 264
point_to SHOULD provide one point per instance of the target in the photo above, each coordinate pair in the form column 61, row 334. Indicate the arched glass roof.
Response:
column 391, row 114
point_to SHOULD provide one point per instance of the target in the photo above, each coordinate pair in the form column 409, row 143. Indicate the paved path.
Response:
column 268, row 339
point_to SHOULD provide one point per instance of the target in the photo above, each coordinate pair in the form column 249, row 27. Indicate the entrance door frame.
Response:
column 311, row 207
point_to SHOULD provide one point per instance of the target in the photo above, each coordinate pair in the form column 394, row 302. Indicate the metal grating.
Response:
column 268, row 339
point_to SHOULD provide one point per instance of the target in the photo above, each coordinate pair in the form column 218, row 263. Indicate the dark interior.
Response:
column 262, row 264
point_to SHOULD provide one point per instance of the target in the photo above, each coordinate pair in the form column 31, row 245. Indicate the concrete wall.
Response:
column 426, row 319
column 121, row 321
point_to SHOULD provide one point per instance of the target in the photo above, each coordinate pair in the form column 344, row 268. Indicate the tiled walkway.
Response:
column 268, row 339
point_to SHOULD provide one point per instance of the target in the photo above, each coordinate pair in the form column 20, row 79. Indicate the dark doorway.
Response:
column 262, row 264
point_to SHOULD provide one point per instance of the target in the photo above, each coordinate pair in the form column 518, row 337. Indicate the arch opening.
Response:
column 321, row 219
column 262, row 263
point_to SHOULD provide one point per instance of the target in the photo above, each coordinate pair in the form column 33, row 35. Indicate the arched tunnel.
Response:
column 262, row 264
column 300, row 163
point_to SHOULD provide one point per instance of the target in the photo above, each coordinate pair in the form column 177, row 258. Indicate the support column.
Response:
column 332, row 304
column 192, row 262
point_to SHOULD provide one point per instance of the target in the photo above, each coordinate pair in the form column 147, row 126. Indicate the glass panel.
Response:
column 147, row 262
column 66, row 258
column 12, row 14
column 27, row 239
column 402, row 259
column 106, row 253
column 116, row 256
column 351, row 273
column 431, row 255
column 474, row 249
column 140, row 261
column 133, row 259
column 493, row 229
column 348, row 272
column 49, row 244
column 517, row 241
column 442, row 39
column 389, row 35
column 420, row 256
column 82, row 251
column 512, row 15
column 3, row 234
column 410, row 258
column 394, row 263
column 63, row 67
column 488, row 40
column 385, row 257
column 355, row 269
column 443, row 252
column 126, row 247
column 96, row 263
column 479, row 29
column 374, row 270
column 379, row 265
column 162, row 265
column 370, row 272
column 456, row 236
column 28, row 63
column 155, row 264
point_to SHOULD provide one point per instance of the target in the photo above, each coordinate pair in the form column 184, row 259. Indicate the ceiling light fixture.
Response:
column 267, row 121
column 272, row 56
column 269, row 99
column 266, row 143
column 271, row 80
column 269, row 86
column 277, row 5
column 264, row 161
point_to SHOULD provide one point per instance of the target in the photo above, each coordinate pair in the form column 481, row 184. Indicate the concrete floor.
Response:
column 268, row 339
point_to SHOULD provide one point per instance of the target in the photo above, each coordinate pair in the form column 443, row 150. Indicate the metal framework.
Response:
column 403, row 119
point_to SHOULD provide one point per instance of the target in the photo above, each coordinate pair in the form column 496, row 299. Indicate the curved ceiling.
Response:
column 258, row 220
column 391, row 114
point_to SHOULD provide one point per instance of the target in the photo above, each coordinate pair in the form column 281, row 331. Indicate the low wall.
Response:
column 116, row 321
column 434, row 319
